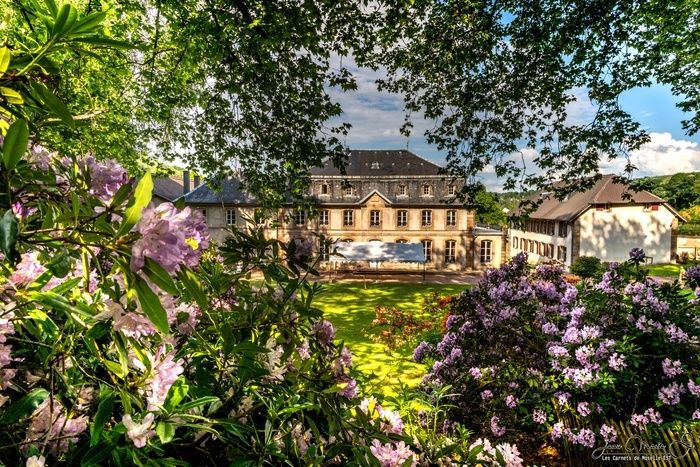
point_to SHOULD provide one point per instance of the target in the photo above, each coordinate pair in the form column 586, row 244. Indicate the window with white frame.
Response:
column 427, row 190
column 451, row 219
column 325, row 250
column 324, row 217
column 402, row 218
column 561, row 254
column 451, row 190
column 324, row 188
column 403, row 191
column 427, row 250
column 450, row 251
column 485, row 251
column 515, row 242
column 349, row 190
column 348, row 217
column 375, row 218
column 230, row 217
column 300, row 218
column 426, row 218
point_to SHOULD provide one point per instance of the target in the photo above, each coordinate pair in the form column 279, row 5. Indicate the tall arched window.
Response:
column 485, row 251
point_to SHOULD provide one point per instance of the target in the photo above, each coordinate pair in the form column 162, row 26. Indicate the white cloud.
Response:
column 377, row 116
column 663, row 155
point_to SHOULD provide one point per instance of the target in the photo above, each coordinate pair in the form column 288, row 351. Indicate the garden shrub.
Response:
column 528, row 355
column 127, row 338
column 587, row 267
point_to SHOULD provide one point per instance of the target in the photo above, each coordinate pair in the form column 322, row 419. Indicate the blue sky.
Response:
column 377, row 116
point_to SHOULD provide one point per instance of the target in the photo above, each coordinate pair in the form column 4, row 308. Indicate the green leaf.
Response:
column 9, row 230
column 140, row 199
column 65, row 19
column 53, row 8
column 25, row 406
column 198, row 402
column 96, row 454
column 4, row 59
column 55, row 105
column 177, row 393
column 150, row 303
column 104, row 412
column 89, row 22
column 115, row 368
column 193, row 287
column 165, row 431
column 160, row 277
column 15, row 143
column 11, row 96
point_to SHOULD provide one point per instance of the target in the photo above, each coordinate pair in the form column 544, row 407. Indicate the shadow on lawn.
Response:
column 350, row 307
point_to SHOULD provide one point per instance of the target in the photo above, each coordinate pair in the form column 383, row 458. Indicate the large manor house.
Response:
column 395, row 196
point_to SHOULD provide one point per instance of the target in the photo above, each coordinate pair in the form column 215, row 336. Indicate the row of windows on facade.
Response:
column 546, row 227
column 540, row 248
column 375, row 218
column 401, row 190
column 485, row 250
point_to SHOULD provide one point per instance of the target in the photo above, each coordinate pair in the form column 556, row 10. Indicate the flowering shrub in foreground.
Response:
column 125, row 340
column 528, row 353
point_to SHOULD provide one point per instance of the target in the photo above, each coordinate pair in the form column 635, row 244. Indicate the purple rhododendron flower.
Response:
column 671, row 394
column 637, row 255
column 324, row 332
column 496, row 428
column 422, row 351
column 170, row 237
column 608, row 433
column 539, row 416
column 106, row 178
column 50, row 424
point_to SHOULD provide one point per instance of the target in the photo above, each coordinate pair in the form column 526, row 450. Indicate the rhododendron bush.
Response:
column 126, row 338
column 526, row 352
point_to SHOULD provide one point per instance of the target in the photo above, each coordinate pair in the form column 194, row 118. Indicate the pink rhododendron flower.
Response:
column 671, row 368
column 671, row 394
column 392, row 454
column 49, row 423
column 27, row 271
column 496, row 428
column 165, row 371
column 391, row 421
column 608, row 433
column 139, row 433
column 539, row 416
column 170, row 237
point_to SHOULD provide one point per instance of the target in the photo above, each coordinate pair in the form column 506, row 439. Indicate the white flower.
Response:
column 36, row 461
column 139, row 433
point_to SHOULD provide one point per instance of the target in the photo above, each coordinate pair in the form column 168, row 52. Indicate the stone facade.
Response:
column 388, row 196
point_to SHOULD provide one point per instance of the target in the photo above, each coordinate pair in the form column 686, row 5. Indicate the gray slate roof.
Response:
column 167, row 188
column 366, row 163
column 230, row 192
column 605, row 191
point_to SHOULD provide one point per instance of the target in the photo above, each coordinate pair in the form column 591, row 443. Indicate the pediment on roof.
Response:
column 375, row 197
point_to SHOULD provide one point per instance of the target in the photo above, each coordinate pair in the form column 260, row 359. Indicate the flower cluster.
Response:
column 170, row 237
column 530, row 340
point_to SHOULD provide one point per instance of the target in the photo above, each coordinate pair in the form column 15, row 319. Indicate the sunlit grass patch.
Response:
column 350, row 307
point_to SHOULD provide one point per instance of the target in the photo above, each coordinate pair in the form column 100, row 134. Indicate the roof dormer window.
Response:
column 375, row 165
column 427, row 190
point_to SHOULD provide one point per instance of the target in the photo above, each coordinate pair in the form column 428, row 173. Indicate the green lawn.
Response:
column 664, row 270
column 350, row 307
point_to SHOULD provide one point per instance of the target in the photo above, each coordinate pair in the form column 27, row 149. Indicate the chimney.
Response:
column 196, row 181
column 185, row 182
